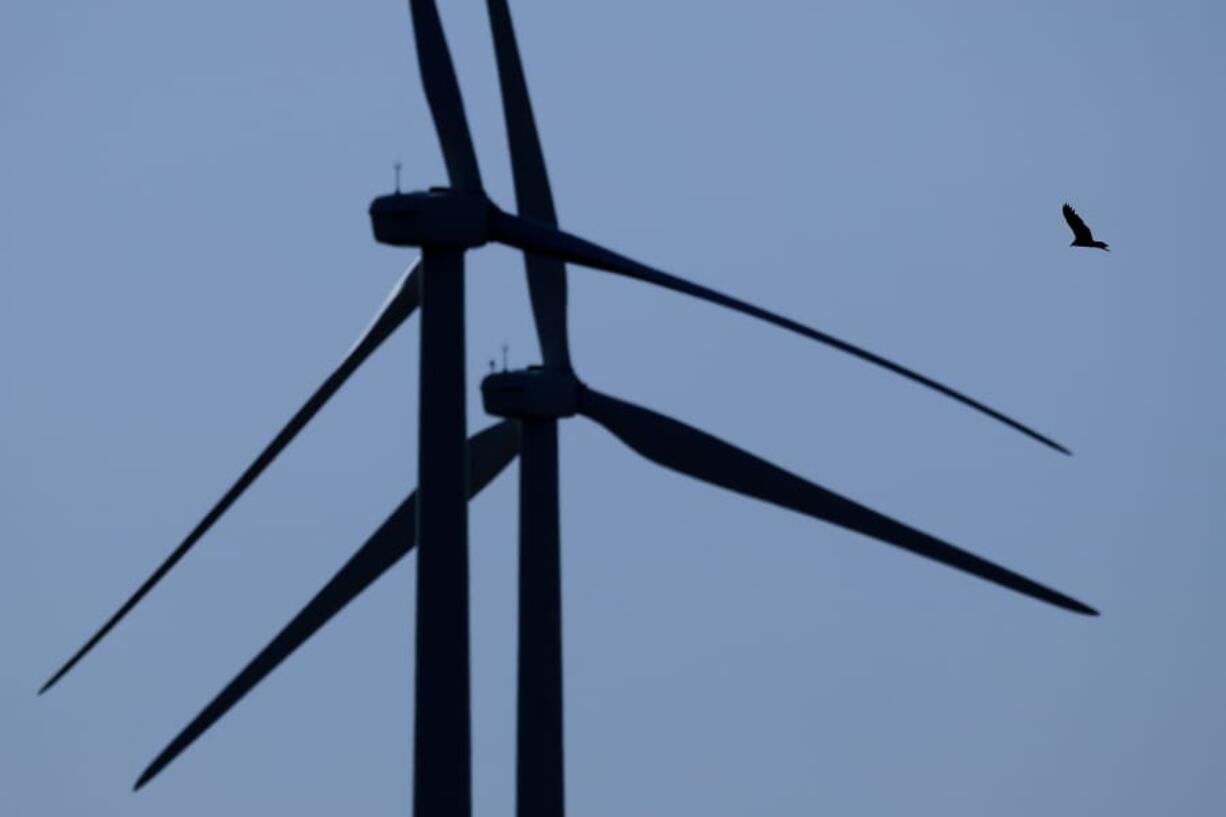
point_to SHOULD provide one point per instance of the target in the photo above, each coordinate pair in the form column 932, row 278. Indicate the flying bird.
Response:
column 1082, row 237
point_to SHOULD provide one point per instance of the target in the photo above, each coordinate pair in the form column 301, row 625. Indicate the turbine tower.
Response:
column 445, row 223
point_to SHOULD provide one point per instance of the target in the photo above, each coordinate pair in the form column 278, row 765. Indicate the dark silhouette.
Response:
column 540, row 784
column 1081, row 233
column 538, row 397
column 445, row 223
column 543, row 394
column 399, row 305
column 489, row 452
column 552, row 245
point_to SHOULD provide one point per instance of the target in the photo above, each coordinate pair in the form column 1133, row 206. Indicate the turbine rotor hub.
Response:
column 535, row 392
column 438, row 217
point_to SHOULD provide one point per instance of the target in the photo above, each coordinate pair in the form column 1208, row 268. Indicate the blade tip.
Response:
column 1074, row 606
column 51, row 682
column 144, row 778
column 1052, row 444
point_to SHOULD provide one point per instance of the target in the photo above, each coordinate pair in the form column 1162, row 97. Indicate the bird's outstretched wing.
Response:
column 1081, row 233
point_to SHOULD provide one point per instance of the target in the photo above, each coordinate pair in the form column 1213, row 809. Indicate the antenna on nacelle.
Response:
column 397, row 166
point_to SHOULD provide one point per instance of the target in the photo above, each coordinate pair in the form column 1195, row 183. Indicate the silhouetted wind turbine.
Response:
column 446, row 222
column 537, row 397
column 438, row 216
column 1082, row 237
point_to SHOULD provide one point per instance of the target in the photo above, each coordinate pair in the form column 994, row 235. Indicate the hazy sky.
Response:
column 186, row 253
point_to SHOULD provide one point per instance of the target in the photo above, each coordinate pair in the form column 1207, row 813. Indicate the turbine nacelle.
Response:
column 535, row 392
column 438, row 217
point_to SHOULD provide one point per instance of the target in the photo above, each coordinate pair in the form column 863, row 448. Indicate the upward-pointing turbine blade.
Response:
column 399, row 305
column 533, row 197
column 443, row 95
column 540, row 238
column 697, row 454
column 489, row 453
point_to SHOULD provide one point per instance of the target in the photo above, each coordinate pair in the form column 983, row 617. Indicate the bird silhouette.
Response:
column 1082, row 237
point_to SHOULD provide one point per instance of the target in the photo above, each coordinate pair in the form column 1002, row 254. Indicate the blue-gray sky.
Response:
column 186, row 253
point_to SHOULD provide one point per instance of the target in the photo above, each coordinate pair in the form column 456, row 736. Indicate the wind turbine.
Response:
column 445, row 222
column 538, row 397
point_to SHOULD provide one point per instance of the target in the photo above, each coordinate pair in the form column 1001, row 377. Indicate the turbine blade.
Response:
column 489, row 453
column 443, row 95
column 689, row 451
column 399, row 305
column 533, row 197
column 535, row 237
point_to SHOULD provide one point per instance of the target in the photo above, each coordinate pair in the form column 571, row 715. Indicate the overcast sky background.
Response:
column 186, row 253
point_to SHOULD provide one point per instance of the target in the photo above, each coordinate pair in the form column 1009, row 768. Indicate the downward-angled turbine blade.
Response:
column 443, row 95
column 399, row 305
column 489, row 453
column 541, row 238
column 533, row 198
column 677, row 446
